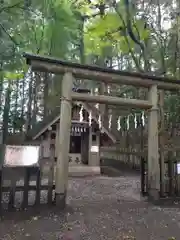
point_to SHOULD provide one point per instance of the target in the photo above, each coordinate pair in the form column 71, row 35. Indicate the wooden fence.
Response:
column 169, row 183
column 23, row 184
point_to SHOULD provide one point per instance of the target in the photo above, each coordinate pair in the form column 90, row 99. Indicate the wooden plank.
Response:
column 133, row 103
column 12, row 195
column 176, row 176
column 178, row 182
column 1, row 182
column 51, row 174
column 38, row 176
column 38, row 187
column 128, row 151
column 26, row 188
column 170, row 174
column 131, row 151
column 142, row 167
column 21, row 188
column 2, row 154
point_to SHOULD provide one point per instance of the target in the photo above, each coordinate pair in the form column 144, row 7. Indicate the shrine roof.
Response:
column 49, row 121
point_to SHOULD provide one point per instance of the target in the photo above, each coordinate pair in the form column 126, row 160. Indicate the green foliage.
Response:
column 73, row 29
column 110, row 30
column 13, row 75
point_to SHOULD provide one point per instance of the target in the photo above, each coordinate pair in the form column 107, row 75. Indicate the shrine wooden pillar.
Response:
column 64, row 141
column 153, row 148
column 57, row 140
column 94, row 151
column 84, row 147
column 162, row 142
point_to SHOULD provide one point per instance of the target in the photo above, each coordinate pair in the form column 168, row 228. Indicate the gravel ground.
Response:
column 99, row 208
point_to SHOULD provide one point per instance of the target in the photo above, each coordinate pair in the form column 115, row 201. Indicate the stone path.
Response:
column 99, row 208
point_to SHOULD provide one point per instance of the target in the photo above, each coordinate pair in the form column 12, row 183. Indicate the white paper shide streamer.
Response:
column 135, row 121
column 100, row 122
column 108, row 89
column 81, row 114
column 119, row 123
column 143, row 118
column 90, row 118
column 97, row 106
column 110, row 121
column 127, row 123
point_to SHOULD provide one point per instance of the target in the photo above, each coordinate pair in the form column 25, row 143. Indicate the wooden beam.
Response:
column 127, row 151
column 20, row 188
column 92, row 68
column 107, row 77
column 133, row 103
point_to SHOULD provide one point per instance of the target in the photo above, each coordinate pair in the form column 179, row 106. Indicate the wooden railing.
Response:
column 18, row 178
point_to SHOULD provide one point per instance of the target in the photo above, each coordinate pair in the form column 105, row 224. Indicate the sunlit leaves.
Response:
column 140, row 29
column 13, row 75
column 84, row 7
column 100, row 32
column 87, row 8
column 111, row 30
column 60, row 29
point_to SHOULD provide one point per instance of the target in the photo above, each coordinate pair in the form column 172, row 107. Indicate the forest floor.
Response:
column 99, row 208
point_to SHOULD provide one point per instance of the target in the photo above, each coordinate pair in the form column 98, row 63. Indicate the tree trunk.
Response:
column 29, row 110
column 15, row 117
column 45, row 101
column 81, row 48
column 1, row 89
column 23, row 103
column 35, row 102
column 6, row 112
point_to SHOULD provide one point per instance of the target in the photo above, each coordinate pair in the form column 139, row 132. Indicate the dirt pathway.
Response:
column 101, row 208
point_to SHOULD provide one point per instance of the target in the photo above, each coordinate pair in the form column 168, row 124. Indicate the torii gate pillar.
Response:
column 64, row 141
column 153, row 148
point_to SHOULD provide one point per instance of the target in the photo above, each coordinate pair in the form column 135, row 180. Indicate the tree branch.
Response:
column 126, row 38
column 10, row 37
column 10, row 7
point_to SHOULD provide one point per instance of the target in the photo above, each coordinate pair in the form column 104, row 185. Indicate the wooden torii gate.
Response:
column 74, row 70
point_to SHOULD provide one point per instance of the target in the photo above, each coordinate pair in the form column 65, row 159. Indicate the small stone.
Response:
column 27, row 235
